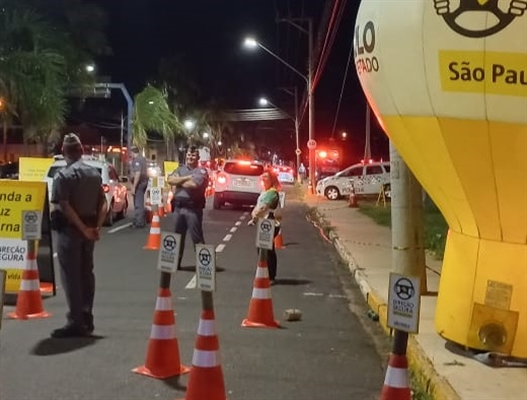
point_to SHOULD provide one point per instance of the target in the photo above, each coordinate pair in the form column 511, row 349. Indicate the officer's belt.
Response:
column 184, row 204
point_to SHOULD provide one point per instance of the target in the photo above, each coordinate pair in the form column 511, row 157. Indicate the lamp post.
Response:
column 253, row 43
column 264, row 102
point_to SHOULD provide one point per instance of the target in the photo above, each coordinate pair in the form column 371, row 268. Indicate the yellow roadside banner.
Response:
column 33, row 169
column 15, row 197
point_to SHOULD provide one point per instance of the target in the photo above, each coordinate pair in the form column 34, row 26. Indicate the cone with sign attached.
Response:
column 162, row 356
column 29, row 299
column 161, row 211
column 206, row 375
column 279, row 240
column 154, row 237
column 260, row 314
column 396, row 385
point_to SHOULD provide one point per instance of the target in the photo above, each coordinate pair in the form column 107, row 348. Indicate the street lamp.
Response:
column 205, row 135
column 265, row 102
column 90, row 68
column 189, row 124
column 252, row 43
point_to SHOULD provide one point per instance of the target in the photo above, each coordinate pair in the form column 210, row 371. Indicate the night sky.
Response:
column 209, row 34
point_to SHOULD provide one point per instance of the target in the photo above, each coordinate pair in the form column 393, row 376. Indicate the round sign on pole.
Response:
column 298, row 152
column 311, row 144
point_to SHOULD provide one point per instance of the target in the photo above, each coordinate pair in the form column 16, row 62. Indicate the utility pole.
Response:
column 3, row 112
column 297, row 129
column 408, row 257
column 122, row 143
column 367, row 143
column 310, row 90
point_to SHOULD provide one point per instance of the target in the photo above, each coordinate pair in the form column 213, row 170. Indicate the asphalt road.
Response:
column 329, row 354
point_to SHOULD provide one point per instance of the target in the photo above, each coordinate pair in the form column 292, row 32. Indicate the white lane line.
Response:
column 227, row 237
column 192, row 283
column 238, row 223
column 219, row 248
column 246, row 213
column 117, row 229
column 242, row 217
column 313, row 294
column 233, row 229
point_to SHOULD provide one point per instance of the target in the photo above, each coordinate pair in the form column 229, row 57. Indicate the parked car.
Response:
column 365, row 178
column 113, row 186
column 238, row 183
column 285, row 174
column 9, row 170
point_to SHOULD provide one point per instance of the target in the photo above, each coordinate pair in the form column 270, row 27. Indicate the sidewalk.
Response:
column 366, row 246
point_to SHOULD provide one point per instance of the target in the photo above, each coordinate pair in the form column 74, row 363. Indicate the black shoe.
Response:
column 69, row 331
column 88, row 323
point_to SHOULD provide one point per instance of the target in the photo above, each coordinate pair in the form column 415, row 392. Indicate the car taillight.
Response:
column 106, row 188
column 222, row 179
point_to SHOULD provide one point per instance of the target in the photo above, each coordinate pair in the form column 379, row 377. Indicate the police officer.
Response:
column 79, row 210
column 190, row 183
column 139, row 185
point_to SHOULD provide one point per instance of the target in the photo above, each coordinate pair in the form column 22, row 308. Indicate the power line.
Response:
column 342, row 88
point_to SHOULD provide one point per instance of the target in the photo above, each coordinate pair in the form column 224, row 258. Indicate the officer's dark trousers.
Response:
column 191, row 220
column 75, row 254
column 139, row 204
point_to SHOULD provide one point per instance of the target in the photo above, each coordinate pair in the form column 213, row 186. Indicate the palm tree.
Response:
column 152, row 113
column 40, row 60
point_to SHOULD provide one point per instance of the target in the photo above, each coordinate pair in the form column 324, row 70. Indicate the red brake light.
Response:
column 106, row 188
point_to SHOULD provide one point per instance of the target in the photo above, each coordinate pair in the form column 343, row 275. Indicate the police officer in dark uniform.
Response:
column 79, row 210
column 139, row 185
column 190, row 183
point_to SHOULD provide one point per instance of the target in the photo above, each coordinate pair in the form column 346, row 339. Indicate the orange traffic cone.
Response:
column 162, row 356
column 396, row 380
column 279, row 240
column 206, row 376
column 168, row 204
column 352, row 201
column 29, row 299
column 154, row 237
column 260, row 313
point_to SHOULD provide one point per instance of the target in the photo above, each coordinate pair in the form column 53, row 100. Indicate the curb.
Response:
column 419, row 363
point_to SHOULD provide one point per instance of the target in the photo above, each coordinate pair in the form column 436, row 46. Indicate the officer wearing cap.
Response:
column 139, row 185
column 190, row 183
column 79, row 210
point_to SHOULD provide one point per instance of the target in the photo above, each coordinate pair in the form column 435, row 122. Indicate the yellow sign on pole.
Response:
column 16, row 197
column 169, row 167
column 34, row 169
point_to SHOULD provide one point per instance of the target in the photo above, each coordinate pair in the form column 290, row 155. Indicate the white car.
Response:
column 113, row 186
column 238, row 183
column 365, row 178
column 284, row 173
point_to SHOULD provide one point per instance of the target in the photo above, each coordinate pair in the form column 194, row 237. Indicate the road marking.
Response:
column 238, row 223
column 233, row 229
column 313, row 294
column 219, row 248
column 337, row 296
column 117, row 229
column 242, row 217
column 227, row 237
column 192, row 283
